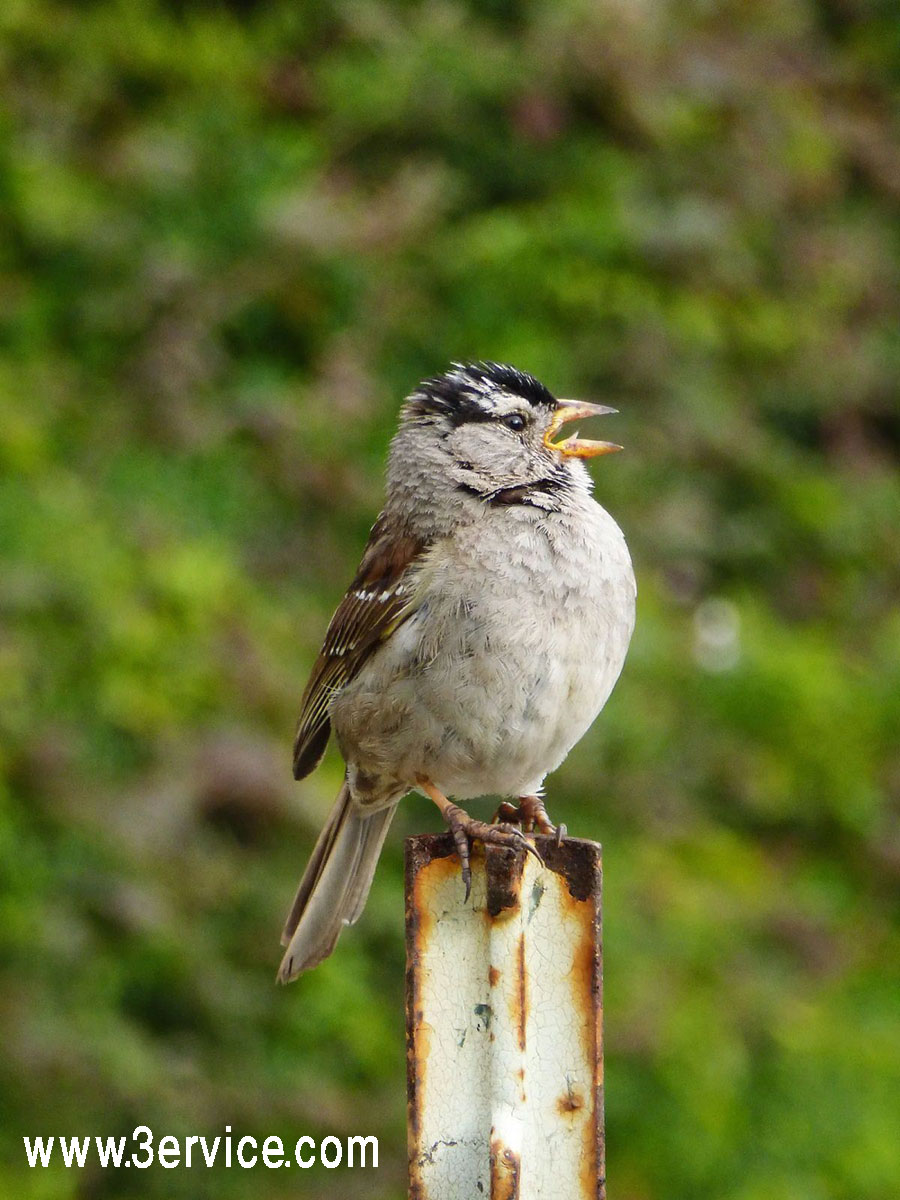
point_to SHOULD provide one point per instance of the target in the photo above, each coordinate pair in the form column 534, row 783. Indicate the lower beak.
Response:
column 574, row 446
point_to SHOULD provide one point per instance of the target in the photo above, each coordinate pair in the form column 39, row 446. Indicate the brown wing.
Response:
column 378, row 599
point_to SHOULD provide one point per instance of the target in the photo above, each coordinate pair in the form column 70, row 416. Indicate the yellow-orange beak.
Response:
column 574, row 446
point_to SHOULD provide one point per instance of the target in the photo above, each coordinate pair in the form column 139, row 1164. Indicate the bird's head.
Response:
column 489, row 428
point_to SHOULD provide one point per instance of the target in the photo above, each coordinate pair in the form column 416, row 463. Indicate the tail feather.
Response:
column 335, row 884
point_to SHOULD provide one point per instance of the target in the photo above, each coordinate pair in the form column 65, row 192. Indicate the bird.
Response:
column 482, row 634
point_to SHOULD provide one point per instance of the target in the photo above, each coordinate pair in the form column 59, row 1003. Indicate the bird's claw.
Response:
column 466, row 829
column 531, row 815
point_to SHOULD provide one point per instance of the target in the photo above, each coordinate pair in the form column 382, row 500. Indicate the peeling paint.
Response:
column 483, row 1013
column 534, row 900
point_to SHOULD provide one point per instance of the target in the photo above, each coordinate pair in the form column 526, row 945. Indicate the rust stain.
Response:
column 583, row 969
column 593, row 1166
column 519, row 1012
column 598, row 1144
column 423, row 864
column 506, row 1169
column 577, row 860
column 434, row 875
column 588, row 967
column 504, row 868
column 412, row 863
column 427, row 847
column 494, row 976
column 416, row 1185
column 597, row 1125
column 415, row 1064
column 571, row 1102
column 580, row 864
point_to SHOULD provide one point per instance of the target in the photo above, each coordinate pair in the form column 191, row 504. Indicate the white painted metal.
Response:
column 505, row 1038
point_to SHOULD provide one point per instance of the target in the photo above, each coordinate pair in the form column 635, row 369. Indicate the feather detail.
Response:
column 380, row 597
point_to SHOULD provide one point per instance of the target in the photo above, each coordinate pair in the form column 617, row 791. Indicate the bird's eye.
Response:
column 514, row 421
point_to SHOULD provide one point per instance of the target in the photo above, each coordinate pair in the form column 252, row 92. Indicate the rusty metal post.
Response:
column 504, row 1023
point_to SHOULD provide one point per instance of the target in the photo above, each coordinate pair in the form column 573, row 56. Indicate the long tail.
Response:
column 335, row 884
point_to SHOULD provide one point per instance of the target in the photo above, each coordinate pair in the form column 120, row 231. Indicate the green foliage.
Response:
column 232, row 237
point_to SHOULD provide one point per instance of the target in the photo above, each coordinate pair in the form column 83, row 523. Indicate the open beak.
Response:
column 574, row 446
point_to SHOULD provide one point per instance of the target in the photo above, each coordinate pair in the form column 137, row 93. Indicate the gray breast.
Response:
column 519, row 637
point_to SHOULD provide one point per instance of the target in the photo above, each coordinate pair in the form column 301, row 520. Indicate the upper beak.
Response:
column 574, row 410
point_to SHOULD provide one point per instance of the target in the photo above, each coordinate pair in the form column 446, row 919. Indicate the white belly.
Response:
column 497, row 675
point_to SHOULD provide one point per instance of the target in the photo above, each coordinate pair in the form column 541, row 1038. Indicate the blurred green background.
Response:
column 232, row 237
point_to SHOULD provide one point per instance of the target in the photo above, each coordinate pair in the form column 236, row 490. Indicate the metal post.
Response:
column 503, row 1019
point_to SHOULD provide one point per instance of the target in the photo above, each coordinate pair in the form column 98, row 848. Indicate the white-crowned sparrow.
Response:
column 483, row 633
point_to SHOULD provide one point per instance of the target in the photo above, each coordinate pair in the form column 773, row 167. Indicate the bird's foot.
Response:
column 466, row 829
column 530, row 815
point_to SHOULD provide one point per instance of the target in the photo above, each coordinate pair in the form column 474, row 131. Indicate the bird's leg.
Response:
column 531, row 814
column 465, row 828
